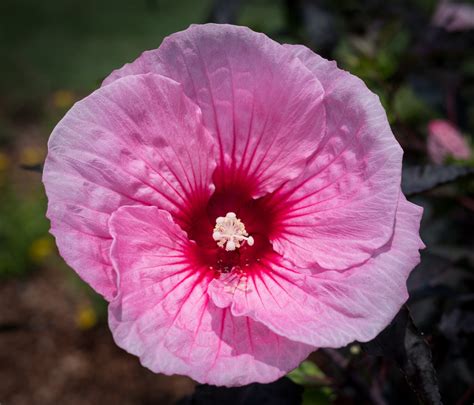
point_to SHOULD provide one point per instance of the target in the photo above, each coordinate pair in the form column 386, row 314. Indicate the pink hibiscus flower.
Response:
column 445, row 140
column 238, row 203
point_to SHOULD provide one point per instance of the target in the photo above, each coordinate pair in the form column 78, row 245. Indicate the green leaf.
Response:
column 306, row 373
column 318, row 396
column 408, row 107
column 23, row 232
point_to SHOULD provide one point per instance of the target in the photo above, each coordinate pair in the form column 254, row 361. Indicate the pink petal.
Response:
column 454, row 17
column 260, row 102
column 342, row 207
column 163, row 314
column 330, row 309
column 137, row 141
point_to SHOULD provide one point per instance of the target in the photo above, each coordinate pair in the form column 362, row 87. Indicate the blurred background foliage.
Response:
column 55, row 52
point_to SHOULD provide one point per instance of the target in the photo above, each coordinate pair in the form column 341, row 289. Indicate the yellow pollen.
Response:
column 230, row 233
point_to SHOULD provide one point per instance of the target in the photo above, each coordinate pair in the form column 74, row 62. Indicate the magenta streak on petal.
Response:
column 100, row 158
column 165, row 308
column 332, row 308
column 267, row 116
column 223, row 120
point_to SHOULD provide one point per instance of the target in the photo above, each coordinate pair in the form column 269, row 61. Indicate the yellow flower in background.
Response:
column 4, row 161
column 63, row 99
column 32, row 155
column 355, row 349
column 86, row 318
column 41, row 248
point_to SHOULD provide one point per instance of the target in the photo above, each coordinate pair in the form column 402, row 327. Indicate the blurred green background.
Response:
column 54, row 342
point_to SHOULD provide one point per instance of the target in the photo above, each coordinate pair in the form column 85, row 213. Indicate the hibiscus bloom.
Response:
column 237, row 202
column 444, row 140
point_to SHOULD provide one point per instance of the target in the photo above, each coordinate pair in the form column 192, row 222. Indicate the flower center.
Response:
column 230, row 233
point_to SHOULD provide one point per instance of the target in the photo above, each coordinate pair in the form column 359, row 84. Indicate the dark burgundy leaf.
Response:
column 38, row 168
column 457, row 325
column 416, row 179
column 402, row 342
column 10, row 327
column 280, row 392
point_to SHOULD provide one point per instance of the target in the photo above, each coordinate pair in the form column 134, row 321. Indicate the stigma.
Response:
column 230, row 233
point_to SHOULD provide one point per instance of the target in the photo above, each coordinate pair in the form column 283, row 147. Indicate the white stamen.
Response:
column 250, row 241
column 230, row 233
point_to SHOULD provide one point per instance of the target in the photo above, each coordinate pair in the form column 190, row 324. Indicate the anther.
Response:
column 230, row 233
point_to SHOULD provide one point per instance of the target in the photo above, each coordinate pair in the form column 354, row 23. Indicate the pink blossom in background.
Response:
column 444, row 140
column 237, row 202
column 453, row 16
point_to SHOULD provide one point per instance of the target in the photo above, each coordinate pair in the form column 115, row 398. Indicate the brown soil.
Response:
column 45, row 358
